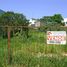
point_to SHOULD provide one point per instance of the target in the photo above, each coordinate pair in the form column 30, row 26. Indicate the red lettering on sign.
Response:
column 57, row 38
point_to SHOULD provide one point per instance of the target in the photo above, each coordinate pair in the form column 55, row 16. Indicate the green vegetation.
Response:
column 13, row 21
column 32, row 51
column 28, row 47
column 56, row 18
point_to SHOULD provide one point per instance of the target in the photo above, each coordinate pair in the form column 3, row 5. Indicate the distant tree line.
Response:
column 16, row 19
column 53, row 23
column 49, row 19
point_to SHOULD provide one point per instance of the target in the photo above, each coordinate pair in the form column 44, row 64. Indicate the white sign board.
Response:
column 56, row 37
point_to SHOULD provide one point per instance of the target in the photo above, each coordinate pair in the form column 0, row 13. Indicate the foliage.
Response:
column 57, row 18
column 1, row 12
column 13, row 19
column 32, row 52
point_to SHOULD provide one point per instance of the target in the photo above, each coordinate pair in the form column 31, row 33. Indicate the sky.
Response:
column 35, row 8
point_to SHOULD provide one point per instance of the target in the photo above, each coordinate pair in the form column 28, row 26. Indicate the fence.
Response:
column 27, row 47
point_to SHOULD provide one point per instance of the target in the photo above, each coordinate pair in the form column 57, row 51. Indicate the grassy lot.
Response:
column 32, row 52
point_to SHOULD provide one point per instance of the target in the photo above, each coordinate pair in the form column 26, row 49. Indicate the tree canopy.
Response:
column 57, row 18
column 11, row 18
column 52, row 19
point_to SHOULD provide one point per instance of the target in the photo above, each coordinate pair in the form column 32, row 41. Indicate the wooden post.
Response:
column 8, row 32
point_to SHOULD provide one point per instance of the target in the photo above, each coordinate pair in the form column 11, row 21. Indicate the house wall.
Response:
column 37, row 24
column 65, row 21
column 34, row 23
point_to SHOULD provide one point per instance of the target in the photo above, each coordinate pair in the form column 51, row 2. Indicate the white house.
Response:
column 34, row 23
column 65, row 21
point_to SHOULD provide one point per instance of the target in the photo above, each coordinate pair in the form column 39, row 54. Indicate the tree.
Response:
column 57, row 18
column 6, row 19
column 51, row 22
column 46, row 20
column 12, row 19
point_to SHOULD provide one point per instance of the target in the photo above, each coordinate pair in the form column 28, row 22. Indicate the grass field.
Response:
column 32, row 52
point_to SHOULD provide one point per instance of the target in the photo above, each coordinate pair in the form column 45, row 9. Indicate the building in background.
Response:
column 65, row 21
column 34, row 23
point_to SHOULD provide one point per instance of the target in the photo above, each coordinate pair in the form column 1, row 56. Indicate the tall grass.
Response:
column 32, row 52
